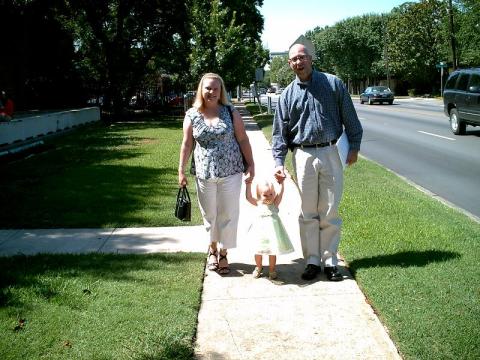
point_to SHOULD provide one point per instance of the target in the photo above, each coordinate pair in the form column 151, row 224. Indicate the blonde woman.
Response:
column 213, row 129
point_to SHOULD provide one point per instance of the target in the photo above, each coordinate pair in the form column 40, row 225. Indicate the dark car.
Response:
column 378, row 94
column 461, row 99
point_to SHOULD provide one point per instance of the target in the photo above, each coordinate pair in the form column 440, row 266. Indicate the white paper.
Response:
column 343, row 147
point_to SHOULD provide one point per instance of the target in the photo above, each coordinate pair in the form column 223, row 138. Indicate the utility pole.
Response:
column 386, row 41
column 452, row 35
column 387, row 64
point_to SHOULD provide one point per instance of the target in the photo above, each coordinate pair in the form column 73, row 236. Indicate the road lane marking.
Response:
column 440, row 136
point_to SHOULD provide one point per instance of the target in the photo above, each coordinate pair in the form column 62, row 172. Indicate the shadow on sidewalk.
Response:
column 288, row 274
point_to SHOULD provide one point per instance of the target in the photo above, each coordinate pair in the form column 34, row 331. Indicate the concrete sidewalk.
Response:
column 242, row 317
column 289, row 318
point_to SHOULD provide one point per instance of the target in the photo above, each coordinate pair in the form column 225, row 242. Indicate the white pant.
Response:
column 219, row 201
column 319, row 175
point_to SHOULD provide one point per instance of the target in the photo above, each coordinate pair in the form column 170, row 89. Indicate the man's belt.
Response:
column 329, row 143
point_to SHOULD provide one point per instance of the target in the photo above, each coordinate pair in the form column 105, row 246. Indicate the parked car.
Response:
column 378, row 94
column 461, row 99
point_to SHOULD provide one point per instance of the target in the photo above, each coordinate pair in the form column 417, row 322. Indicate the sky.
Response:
column 286, row 20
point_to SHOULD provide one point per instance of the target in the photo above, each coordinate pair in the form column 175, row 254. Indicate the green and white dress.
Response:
column 267, row 235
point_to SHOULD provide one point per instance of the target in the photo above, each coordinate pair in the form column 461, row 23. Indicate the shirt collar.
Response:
column 304, row 84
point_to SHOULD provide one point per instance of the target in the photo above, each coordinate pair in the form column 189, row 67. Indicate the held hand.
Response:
column 352, row 157
column 249, row 174
column 280, row 174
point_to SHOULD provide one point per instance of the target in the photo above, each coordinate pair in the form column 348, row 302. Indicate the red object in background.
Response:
column 8, row 108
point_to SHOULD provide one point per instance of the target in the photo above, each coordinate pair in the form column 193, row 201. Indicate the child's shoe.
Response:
column 272, row 275
column 257, row 272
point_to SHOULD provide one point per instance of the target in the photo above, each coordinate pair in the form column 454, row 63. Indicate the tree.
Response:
column 37, row 58
column 353, row 48
column 418, row 42
column 280, row 71
column 323, row 38
column 226, row 40
column 115, row 41
column 467, row 19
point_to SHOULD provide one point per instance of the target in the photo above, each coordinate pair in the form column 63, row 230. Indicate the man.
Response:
column 310, row 116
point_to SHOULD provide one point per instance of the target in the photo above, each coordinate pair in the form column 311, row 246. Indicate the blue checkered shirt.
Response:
column 314, row 112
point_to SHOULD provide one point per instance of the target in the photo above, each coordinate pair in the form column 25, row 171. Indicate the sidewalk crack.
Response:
column 106, row 239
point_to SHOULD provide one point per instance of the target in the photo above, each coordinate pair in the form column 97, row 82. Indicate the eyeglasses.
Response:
column 299, row 58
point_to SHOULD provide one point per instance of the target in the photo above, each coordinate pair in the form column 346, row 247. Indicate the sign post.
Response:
column 442, row 65
column 258, row 77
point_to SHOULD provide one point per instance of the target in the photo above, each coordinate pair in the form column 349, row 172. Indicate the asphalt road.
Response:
column 413, row 138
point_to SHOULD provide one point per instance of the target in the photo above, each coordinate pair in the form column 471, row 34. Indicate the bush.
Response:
column 412, row 92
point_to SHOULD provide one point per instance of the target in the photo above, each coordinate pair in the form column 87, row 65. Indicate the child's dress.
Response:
column 267, row 235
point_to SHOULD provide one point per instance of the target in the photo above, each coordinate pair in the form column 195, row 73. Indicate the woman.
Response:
column 214, row 130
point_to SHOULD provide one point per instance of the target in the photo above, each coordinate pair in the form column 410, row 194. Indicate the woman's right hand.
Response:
column 182, row 180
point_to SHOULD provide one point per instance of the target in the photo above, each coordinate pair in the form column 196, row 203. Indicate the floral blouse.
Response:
column 216, row 153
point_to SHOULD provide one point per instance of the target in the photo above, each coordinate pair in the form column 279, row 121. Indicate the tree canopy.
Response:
column 71, row 50
column 226, row 40
column 280, row 71
column 114, row 47
column 406, row 43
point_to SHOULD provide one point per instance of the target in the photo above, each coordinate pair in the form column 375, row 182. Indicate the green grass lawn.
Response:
column 99, row 306
column 415, row 259
column 122, row 175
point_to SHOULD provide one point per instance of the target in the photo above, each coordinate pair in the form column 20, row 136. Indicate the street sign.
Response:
column 259, row 74
column 441, row 65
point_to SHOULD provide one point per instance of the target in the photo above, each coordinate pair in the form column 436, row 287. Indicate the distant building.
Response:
column 278, row 53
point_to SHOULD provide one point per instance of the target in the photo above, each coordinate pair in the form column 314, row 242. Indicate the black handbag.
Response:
column 183, row 208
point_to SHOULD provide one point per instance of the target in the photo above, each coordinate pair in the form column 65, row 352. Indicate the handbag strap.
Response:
column 183, row 193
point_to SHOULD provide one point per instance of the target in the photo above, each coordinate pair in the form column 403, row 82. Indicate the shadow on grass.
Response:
column 114, row 193
column 94, row 170
column 403, row 259
column 30, row 272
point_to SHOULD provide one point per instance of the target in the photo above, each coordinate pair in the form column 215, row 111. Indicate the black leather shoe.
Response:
column 333, row 274
column 311, row 272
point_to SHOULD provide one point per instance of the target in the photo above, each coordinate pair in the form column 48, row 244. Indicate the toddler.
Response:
column 267, row 232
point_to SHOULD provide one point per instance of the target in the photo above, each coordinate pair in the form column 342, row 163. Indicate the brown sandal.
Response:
column 223, row 269
column 212, row 259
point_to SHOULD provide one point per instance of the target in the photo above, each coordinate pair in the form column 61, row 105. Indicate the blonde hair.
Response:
column 199, row 103
column 265, row 184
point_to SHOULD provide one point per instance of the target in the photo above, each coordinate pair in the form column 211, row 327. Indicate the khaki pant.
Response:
column 219, row 201
column 319, row 175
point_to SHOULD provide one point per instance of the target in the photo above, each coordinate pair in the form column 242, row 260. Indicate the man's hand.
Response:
column 352, row 157
column 280, row 174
